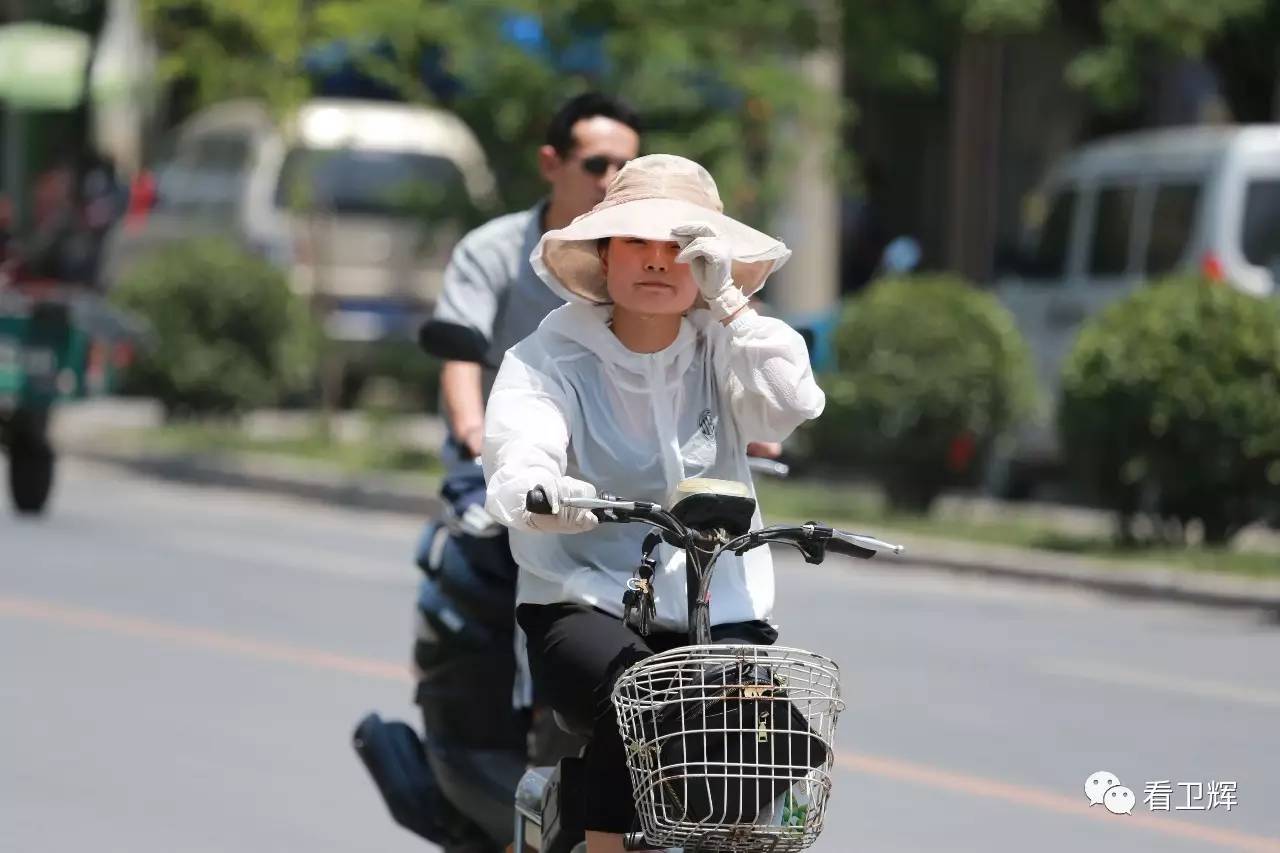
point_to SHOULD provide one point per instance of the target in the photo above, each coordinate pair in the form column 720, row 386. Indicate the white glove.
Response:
column 711, row 260
column 565, row 519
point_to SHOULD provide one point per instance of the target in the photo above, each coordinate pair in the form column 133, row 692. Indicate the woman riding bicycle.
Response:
column 656, row 371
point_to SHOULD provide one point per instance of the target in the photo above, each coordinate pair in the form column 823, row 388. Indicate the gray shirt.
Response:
column 489, row 285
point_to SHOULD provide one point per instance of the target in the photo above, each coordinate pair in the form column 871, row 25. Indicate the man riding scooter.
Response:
column 477, row 711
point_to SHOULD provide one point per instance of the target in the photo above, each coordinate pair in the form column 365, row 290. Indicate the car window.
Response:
column 227, row 153
column 171, row 185
column 220, row 165
column 1049, row 261
column 1109, row 245
column 381, row 183
column 1173, row 215
column 1260, row 229
column 206, row 174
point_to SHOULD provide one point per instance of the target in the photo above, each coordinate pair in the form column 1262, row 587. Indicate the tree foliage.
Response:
column 1138, row 33
column 715, row 81
column 905, row 45
column 710, row 79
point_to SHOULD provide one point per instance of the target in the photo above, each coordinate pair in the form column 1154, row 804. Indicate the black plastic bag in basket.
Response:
column 733, row 751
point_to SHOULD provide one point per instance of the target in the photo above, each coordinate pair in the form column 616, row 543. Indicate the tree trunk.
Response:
column 977, row 88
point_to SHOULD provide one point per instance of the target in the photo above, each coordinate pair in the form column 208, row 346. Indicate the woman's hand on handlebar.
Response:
column 550, row 515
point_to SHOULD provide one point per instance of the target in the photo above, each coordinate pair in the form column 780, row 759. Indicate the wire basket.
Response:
column 729, row 747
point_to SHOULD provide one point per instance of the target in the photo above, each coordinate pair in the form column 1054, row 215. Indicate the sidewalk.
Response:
column 79, row 430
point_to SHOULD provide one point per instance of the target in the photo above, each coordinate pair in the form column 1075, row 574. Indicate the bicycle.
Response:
column 729, row 747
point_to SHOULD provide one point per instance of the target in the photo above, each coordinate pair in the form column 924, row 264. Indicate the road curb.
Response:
column 1127, row 580
column 390, row 494
column 273, row 476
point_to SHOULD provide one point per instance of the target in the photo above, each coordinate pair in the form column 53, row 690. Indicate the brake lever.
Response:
column 813, row 549
column 608, row 508
column 812, row 544
column 611, row 514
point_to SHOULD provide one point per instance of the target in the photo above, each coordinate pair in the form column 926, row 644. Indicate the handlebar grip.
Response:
column 536, row 501
column 840, row 546
column 768, row 467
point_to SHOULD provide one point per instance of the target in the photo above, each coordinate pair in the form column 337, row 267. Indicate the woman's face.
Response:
column 643, row 276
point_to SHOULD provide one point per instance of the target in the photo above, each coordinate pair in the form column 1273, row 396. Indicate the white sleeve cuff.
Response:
column 729, row 301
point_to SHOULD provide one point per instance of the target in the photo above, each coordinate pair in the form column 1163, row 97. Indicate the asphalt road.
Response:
column 180, row 669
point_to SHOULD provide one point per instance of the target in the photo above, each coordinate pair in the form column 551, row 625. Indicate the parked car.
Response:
column 1130, row 209
column 361, row 202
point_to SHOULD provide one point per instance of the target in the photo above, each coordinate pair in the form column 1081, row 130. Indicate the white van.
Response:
column 341, row 195
column 1131, row 208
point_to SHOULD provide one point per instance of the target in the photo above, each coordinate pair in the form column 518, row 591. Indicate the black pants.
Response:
column 576, row 653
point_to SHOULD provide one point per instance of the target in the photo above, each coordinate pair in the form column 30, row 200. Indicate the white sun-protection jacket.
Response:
column 571, row 399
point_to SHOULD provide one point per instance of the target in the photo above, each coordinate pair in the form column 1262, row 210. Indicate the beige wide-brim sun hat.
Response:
column 649, row 196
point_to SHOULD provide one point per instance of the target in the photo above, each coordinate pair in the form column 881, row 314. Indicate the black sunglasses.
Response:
column 599, row 164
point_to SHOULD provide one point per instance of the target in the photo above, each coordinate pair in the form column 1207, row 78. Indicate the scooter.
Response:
column 454, row 784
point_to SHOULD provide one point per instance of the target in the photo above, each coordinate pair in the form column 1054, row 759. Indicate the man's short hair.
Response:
column 587, row 105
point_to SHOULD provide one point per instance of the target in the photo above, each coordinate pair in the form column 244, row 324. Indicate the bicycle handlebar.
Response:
column 703, row 547
column 612, row 509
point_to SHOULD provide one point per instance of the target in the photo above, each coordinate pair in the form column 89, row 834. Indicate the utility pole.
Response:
column 316, row 226
column 806, row 292
column 1275, row 93
column 14, row 144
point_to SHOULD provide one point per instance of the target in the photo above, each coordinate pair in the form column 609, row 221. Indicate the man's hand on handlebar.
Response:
column 473, row 440
column 764, row 449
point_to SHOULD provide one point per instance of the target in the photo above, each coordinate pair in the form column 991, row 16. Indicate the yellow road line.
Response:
column 1037, row 798
column 80, row 617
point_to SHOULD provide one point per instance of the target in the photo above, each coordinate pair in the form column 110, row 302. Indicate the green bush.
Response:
column 414, row 374
column 227, row 334
column 1171, row 406
column 931, row 372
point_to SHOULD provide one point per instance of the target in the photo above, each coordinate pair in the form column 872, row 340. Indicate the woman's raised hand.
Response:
column 711, row 259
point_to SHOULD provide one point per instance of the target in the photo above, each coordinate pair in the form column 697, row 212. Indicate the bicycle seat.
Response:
column 705, row 504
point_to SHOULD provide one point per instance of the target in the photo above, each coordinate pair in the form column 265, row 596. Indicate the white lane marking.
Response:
column 131, row 493
column 1107, row 673
column 294, row 556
